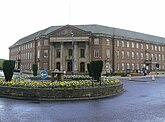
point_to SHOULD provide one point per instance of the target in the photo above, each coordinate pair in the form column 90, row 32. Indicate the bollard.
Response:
column 130, row 77
column 153, row 78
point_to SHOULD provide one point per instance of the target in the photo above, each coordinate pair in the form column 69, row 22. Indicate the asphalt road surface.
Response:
column 141, row 102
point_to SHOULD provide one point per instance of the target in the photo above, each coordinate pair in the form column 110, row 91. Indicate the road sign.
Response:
column 44, row 74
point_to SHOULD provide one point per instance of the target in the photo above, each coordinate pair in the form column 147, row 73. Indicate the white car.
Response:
column 1, row 74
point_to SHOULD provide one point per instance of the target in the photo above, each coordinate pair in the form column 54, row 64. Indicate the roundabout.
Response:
column 60, row 90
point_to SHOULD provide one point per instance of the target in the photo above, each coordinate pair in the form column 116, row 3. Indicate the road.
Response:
column 141, row 102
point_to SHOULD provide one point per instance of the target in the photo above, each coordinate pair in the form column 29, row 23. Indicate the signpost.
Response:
column 44, row 74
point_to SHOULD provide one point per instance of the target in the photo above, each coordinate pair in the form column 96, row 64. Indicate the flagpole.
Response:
column 72, row 53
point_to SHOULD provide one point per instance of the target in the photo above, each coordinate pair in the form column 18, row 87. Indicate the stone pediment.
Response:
column 67, row 30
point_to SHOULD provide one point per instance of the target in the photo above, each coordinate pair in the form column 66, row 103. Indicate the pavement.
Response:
column 141, row 77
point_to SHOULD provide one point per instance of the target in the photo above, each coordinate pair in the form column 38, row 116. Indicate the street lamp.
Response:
column 72, row 53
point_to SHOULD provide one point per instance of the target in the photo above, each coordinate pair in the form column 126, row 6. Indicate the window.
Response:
column 147, row 56
column 162, row 48
column 137, row 55
column 141, row 46
column 137, row 45
column 137, row 66
column 160, row 66
column 38, row 54
column 122, row 66
column 117, row 53
column 133, row 67
column 82, row 53
column 133, row 55
column 147, row 46
column 108, row 53
column 118, row 67
column 122, row 54
column 152, row 57
column 38, row 43
column 127, row 55
column 155, row 48
column 118, row 43
column 30, row 55
column 122, row 43
column 128, row 67
column 45, row 53
column 152, row 47
column 96, row 41
column 58, row 53
column 141, row 55
column 162, row 57
column 69, row 53
column 31, row 45
column 159, row 48
column 156, row 57
column 27, row 55
column 107, row 41
column 69, row 66
column 96, row 53
column 127, row 44
column 159, row 57
column 133, row 45
column 45, row 42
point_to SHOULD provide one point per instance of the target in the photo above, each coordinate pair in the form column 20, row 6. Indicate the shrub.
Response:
column 8, row 69
column 89, row 69
column 96, row 69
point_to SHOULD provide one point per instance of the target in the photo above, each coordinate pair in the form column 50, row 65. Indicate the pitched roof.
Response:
column 96, row 29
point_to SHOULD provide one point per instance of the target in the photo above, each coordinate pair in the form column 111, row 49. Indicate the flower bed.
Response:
column 56, row 84
column 47, row 90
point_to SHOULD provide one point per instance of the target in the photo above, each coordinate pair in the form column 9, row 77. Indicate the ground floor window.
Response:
column 69, row 66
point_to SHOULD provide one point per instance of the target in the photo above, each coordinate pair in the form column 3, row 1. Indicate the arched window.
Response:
column 82, row 67
column 58, row 65
column 69, row 66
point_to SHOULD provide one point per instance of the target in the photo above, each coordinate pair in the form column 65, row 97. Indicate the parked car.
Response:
column 1, row 74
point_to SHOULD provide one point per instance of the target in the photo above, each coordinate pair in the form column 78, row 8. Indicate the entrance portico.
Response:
column 61, row 54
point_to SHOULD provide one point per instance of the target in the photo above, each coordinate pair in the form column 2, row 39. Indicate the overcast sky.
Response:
column 20, row 18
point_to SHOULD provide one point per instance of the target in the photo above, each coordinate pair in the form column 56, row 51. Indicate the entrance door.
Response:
column 58, row 66
column 82, row 67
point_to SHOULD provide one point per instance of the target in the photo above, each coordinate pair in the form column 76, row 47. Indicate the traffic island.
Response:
column 72, row 90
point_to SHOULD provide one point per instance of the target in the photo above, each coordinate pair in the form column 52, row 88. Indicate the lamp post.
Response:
column 72, row 53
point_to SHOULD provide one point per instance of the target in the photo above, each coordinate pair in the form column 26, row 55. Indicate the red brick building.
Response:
column 120, row 49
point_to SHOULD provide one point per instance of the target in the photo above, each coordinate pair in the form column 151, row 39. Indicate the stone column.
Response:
column 86, row 50
column 86, row 54
column 62, row 56
column 53, row 57
column 50, row 57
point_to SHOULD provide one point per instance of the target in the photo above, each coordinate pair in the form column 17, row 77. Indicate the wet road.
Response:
column 142, row 102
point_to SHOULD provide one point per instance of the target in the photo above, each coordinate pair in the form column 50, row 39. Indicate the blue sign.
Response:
column 44, row 74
